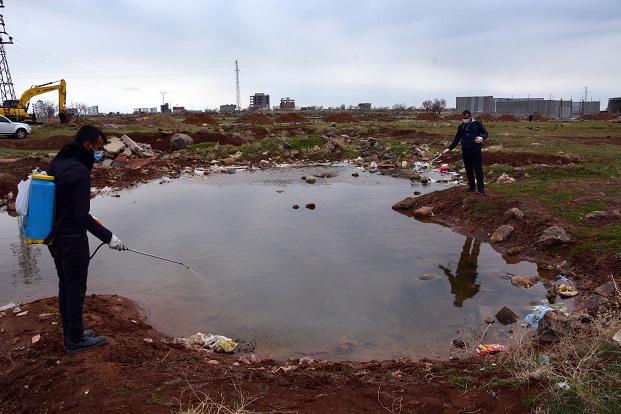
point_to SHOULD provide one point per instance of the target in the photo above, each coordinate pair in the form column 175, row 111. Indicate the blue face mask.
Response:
column 98, row 155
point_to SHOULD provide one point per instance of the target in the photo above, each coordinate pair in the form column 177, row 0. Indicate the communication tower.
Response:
column 7, row 91
column 237, row 78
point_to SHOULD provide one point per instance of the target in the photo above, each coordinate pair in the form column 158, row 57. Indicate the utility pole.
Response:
column 163, row 94
column 237, row 80
column 7, row 91
column 585, row 93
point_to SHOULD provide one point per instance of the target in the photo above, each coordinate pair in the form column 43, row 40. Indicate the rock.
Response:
column 254, row 359
column 310, row 206
column 554, row 325
column 427, row 276
column 501, row 233
column 355, row 174
column 311, row 180
column 114, row 146
column 46, row 316
column 426, row 211
column 132, row 145
column 459, row 343
column 406, row 204
column 595, row 215
column 506, row 316
column 553, row 236
column 513, row 213
column 504, row 178
column 295, row 206
column 425, row 180
column 213, row 362
column 514, row 251
column 489, row 320
column 606, row 289
column 525, row 281
column 588, row 302
column 35, row 338
column 179, row 141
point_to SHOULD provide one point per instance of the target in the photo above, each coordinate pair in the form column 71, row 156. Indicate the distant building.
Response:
column 228, row 108
column 260, row 102
column 308, row 108
column 365, row 106
column 526, row 106
column 141, row 110
column 92, row 110
column 179, row 110
column 165, row 109
column 287, row 103
column 614, row 105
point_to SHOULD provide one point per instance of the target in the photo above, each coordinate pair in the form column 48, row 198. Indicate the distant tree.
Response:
column 48, row 109
column 427, row 105
column 342, row 107
column 438, row 105
column 400, row 106
column 79, row 108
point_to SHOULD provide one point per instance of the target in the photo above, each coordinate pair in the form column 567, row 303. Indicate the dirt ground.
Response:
column 142, row 370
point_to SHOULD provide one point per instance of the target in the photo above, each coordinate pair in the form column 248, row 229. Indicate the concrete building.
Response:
column 228, row 108
column 364, row 106
column 287, row 103
column 614, row 105
column 165, row 109
column 92, row 110
column 141, row 110
column 562, row 109
column 260, row 102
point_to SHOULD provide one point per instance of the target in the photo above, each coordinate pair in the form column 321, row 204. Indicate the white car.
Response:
column 14, row 129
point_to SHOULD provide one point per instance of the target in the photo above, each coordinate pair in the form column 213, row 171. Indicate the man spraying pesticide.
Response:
column 471, row 133
column 68, row 242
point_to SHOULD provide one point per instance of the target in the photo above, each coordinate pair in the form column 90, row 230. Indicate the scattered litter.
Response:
column 533, row 318
column 566, row 291
column 484, row 349
column 24, row 313
column 544, row 359
column 443, row 168
column 617, row 336
column 216, row 343
column 564, row 386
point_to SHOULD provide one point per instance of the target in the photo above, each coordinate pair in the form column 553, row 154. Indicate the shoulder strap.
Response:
column 57, row 223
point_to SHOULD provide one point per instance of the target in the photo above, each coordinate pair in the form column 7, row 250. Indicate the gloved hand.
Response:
column 115, row 243
column 478, row 140
column 446, row 151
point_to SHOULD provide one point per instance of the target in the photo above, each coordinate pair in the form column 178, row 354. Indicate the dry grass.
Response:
column 582, row 372
column 208, row 405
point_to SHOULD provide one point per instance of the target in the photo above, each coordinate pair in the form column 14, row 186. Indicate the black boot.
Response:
column 86, row 344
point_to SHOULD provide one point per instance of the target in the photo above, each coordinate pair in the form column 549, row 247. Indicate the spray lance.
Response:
column 157, row 257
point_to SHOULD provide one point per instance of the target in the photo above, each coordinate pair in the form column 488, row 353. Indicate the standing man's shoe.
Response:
column 482, row 192
column 470, row 190
column 86, row 344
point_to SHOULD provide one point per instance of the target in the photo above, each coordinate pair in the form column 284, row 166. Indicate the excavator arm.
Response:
column 60, row 85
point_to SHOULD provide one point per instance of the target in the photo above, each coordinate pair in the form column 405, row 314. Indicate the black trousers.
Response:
column 473, row 163
column 71, row 257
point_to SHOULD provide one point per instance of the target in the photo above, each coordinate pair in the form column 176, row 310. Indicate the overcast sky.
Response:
column 122, row 54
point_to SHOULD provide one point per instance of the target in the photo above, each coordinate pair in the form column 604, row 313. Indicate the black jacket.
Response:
column 73, row 193
column 466, row 133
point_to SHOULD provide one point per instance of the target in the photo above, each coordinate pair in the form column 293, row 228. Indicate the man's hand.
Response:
column 446, row 151
column 478, row 140
column 115, row 243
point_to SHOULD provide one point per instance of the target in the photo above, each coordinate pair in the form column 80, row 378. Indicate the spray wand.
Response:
column 157, row 257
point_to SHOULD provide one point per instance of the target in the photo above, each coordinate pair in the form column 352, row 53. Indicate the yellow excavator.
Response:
column 17, row 110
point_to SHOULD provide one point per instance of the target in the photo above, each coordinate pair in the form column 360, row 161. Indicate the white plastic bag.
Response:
column 23, row 197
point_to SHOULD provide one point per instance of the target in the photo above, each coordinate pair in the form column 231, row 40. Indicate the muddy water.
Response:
column 341, row 281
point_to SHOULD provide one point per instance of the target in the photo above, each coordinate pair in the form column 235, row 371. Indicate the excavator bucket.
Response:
column 65, row 117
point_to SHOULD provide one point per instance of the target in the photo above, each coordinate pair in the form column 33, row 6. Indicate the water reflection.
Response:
column 463, row 281
column 27, row 260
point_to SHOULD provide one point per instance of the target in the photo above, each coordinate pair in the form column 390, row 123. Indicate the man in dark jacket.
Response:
column 471, row 133
column 71, row 169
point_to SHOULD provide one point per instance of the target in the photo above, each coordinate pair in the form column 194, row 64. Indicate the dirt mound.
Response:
column 453, row 117
column 341, row 118
column 600, row 117
column 428, row 116
column 200, row 119
column 485, row 117
column 537, row 117
column 159, row 120
column 507, row 118
column 376, row 117
column 291, row 117
column 256, row 118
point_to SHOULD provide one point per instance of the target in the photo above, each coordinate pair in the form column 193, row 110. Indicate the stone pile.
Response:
column 121, row 151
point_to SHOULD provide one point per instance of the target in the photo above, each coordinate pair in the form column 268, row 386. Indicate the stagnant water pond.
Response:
column 348, row 279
